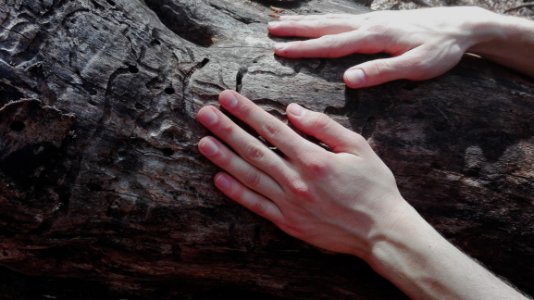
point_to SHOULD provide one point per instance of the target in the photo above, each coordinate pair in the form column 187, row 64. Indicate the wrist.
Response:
column 405, row 253
column 494, row 32
column 401, row 223
column 423, row 264
column 483, row 28
column 406, row 229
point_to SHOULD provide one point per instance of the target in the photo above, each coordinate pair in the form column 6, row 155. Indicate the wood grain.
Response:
column 104, row 195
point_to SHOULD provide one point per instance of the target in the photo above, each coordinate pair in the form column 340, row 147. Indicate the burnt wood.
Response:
column 103, row 193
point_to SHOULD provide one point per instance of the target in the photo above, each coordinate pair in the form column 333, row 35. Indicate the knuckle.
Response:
column 330, row 44
column 421, row 70
column 226, row 128
column 254, row 153
column 223, row 158
column 410, row 63
column 237, row 192
column 300, row 189
column 258, row 207
column 314, row 166
column 277, row 170
column 381, row 68
column 321, row 121
column 245, row 109
column 377, row 28
column 272, row 129
column 253, row 179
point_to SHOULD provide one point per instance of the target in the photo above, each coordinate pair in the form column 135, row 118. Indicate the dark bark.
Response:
column 103, row 193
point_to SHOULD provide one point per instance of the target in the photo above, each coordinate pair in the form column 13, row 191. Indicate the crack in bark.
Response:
column 181, row 21
column 239, row 77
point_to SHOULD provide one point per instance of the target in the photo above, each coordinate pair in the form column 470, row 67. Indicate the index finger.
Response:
column 273, row 130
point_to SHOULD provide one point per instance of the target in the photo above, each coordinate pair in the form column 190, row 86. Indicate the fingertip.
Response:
column 282, row 49
column 279, row 46
column 207, row 146
column 272, row 25
column 203, row 141
column 228, row 98
column 222, row 181
column 225, row 93
column 295, row 110
column 350, row 84
column 207, row 115
column 355, row 78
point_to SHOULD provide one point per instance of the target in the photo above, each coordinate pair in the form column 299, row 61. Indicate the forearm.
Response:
column 506, row 40
column 424, row 265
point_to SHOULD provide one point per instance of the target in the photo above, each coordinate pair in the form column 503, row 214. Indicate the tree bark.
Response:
column 103, row 192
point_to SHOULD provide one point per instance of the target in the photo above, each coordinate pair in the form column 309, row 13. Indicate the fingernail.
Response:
column 222, row 181
column 272, row 24
column 296, row 110
column 229, row 100
column 208, row 147
column 209, row 117
column 355, row 76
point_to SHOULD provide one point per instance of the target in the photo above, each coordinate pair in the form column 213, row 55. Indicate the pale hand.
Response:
column 337, row 200
column 423, row 43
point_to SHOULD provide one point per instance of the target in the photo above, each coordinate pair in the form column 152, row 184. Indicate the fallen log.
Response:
column 103, row 193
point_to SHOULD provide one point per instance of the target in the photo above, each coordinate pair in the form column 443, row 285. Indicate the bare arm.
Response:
column 424, row 265
column 345, row 200
column 423, row 43
column 510, row 43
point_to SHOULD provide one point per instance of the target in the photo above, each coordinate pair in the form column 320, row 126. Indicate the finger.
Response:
column 309, row 28
column 326, row 130
column 413, row 65
column 332, row 46
column 269, row 127
column 248, row 198
column 248, row 147
column 239, row 169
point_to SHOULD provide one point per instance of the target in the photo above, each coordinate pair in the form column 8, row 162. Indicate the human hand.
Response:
column 424, row 43
column 337, row 200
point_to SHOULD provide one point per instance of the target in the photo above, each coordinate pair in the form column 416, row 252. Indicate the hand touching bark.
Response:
column 344, row 200
column 335, row 200
column 423, row 43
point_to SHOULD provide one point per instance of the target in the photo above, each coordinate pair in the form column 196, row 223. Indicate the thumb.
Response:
column 326, row 130
column 410, row 65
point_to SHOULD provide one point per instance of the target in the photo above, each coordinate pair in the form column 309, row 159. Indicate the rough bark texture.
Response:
column 103, row 193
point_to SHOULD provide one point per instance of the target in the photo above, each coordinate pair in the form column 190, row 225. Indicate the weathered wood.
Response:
column 101, row 182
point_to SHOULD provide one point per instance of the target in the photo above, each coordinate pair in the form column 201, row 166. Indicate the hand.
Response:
column 344, row 200
column 423, row 43
column 337, row 200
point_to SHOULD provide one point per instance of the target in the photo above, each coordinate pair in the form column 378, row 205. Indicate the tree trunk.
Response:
column 104, row 194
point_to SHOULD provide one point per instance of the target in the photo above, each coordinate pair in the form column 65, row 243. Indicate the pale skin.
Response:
column 346, row 199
